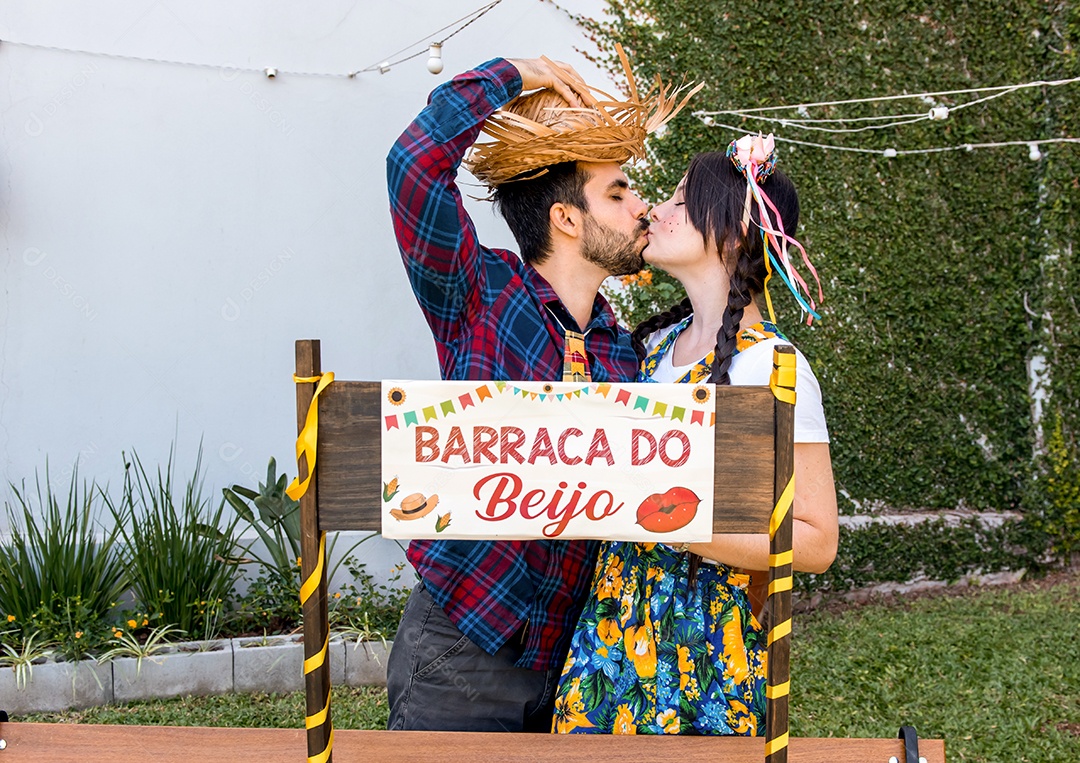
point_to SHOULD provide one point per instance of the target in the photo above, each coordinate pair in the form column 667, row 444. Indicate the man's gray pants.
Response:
column 438, row 679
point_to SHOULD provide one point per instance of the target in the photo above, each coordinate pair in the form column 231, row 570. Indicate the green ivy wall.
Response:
column 946, row 274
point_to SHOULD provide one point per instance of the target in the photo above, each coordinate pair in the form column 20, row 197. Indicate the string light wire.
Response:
column 902, row 152
column 936, row 113
column 898, row 119
column 967, row 91
column 475, row 15
column 471, row 17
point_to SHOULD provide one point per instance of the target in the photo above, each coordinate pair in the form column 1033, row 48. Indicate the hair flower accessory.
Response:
column 755, row 158
column 754, row 151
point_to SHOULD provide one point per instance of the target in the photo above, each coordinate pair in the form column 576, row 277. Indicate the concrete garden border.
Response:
column 53, row 686
column 273, row 664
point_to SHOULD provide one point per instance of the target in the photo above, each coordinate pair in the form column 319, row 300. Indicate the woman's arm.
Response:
column 815, row 530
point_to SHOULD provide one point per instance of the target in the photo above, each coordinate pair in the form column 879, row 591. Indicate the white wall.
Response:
column 169, row 231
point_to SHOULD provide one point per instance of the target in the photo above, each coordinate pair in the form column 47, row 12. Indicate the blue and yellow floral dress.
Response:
column 652, row 654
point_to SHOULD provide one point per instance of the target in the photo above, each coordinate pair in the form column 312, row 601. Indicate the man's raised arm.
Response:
column 436, row 237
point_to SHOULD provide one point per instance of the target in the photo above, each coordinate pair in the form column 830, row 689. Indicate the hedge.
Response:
column 947, row 274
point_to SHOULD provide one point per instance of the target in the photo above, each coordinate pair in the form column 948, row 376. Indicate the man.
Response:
column 484, row 634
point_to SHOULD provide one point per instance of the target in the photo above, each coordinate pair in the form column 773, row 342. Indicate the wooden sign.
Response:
column 521, row 460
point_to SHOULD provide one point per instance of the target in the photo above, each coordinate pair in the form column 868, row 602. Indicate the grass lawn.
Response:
column 995, row 672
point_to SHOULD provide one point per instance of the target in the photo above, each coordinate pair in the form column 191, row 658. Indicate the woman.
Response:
column 667, row 642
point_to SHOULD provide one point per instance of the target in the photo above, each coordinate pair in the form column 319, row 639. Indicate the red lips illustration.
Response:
column 664, row 513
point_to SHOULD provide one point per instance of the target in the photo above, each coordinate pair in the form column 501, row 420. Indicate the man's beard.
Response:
column 618, row 254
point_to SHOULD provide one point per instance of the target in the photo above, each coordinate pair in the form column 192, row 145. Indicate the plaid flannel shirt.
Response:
column 491, row 315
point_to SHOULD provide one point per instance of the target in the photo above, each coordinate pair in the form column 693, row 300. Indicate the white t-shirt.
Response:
column 753, row 367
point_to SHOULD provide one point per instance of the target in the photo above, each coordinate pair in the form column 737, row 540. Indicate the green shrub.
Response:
column 180, row 552
column 276, row 520
column 1058, row 503
column 272, row 602
column 879, row 553
column 60, row 570
column 271, row 605
column 364, row 608
column 643, row 295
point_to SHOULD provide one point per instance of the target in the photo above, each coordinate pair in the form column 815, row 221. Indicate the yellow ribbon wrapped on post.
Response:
column 307, row 445
column 308, row 440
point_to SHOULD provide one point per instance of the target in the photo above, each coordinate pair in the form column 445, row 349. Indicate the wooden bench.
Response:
column 72, row 743
column 753, row 466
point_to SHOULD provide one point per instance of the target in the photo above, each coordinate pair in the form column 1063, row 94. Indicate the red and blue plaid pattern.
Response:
column 491, row 316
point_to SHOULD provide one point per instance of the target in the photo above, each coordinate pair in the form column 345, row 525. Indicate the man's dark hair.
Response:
column 525, row 205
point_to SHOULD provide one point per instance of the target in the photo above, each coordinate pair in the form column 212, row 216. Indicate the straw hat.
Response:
column 540, row 129
column 415, row 506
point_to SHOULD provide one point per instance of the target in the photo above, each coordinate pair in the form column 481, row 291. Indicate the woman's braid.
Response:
column 672, row 315
column 743, row 281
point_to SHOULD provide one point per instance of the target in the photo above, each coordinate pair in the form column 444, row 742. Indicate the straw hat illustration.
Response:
column 415, row 506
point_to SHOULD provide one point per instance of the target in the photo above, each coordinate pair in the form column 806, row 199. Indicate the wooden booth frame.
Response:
column 753, row 493
column 339, row 425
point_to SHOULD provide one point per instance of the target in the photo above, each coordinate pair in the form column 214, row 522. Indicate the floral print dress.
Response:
column 652, row 654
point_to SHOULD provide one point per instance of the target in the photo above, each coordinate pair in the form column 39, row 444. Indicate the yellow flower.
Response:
column 610, row 583
column 626, row 607
column 643, row 277
column 569, row 710
column 337, row 595
column 608, row 630
column 669, row 721
column 641, row 649
column 145, row 621
column 686, row 667
column 132, row 624
column 624, row 721
column 735, row 648
column 741, row 720
column 78, row 634
column 11, row 618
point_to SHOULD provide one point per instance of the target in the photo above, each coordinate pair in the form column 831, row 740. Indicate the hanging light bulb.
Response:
column 434, row 62
column 1034, row 154
column 889, row 153
column 384, row 67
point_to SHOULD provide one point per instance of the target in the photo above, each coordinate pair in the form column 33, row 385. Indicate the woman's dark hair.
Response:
column 525, row 205
column 715, row 195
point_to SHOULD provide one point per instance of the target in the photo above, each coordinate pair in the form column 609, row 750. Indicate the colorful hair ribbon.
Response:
column 755, row 157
